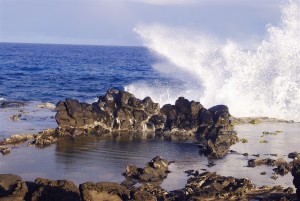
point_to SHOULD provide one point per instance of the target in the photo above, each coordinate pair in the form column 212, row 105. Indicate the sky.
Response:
column 112, row 22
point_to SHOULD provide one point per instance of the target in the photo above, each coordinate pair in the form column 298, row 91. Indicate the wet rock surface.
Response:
column 200, row 186
column 103, row 191
column 12, row 188
column 122, row 112
column 281, row 166
column 296, row 175
column 4, row 150
column 46, row 189
column 10, row 104
column 155, row 170
column 211, row 186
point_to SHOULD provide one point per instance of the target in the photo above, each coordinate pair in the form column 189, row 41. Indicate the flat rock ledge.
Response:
column 120, row 111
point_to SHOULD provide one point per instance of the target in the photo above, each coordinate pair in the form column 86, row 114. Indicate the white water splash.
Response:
column 263, row 82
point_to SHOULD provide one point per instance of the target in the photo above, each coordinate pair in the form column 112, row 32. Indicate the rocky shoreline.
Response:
column 199, row 186
column 120, row 112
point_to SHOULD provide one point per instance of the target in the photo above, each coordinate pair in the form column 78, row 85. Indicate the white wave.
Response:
column 260, row 82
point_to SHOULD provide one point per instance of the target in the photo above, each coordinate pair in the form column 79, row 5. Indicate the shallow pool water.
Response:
column 105, row 157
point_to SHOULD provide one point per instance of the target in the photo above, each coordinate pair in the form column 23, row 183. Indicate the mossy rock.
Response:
column 255, row 121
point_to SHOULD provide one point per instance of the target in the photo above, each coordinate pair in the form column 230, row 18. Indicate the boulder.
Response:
column 155, row 170
column 296, row 175
column 48, row 190
column 103, row 191
column 12, row 188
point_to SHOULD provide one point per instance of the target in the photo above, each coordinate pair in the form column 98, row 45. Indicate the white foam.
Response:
column 260, row 82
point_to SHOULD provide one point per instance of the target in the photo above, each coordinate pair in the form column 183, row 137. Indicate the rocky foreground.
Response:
column 200, row 186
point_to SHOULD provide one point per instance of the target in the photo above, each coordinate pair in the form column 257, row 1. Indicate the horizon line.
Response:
column 38, row 43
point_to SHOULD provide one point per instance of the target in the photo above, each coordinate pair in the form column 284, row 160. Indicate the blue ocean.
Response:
column 43, row 72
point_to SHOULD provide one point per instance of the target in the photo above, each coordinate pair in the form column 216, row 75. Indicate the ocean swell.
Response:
column 260, row 82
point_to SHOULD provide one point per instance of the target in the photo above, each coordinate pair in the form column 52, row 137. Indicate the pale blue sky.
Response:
column 111, row 22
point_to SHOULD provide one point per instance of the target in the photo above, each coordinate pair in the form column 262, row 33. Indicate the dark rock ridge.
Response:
column 296, row 174
column 204, row 186
column 119, row 111
column 281, row 166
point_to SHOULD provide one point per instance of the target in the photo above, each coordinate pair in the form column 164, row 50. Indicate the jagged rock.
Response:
column 4, row 150
column 150, row 191
column 46, row 106
column 296, row 175
column 294, row 155
column 103, row 191
column 46, row 137
column 16, row 139
column 12, row 188
column 155, row 170
column 48, row 190
column 120, row 111
column 266, row 161
column 211, row 186
column 10, row 104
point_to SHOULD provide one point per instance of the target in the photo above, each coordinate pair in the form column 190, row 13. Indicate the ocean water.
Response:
column 41, row 72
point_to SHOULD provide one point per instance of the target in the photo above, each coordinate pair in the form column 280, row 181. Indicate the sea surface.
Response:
column 42, row 72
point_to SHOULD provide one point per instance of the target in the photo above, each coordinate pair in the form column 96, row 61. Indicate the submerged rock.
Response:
column 4, row 150
column 17, row 139
column 121, row 111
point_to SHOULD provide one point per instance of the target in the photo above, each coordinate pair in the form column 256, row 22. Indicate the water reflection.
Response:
column 105, row 157
column 99, row 158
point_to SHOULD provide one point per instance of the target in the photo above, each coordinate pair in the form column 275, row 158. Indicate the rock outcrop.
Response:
column 48, row 190
column 103, row 191
column 204, row 186
column 120, row 111
column 296, row 174
column 211, row 186
column 12, row 188
column 155, row 170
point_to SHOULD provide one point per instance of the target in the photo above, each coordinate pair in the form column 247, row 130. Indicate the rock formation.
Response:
column 155, row 170
column 204, row 186
column 120, row 111
column 296, row 174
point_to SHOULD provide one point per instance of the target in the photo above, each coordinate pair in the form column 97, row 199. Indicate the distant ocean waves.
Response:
column 41, row 72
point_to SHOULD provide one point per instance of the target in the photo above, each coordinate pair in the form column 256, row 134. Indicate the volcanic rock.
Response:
column 103, row 191
column 155, row 170
column 296, row 174
column 12, row 188
column 121, row 111
column 48, row 190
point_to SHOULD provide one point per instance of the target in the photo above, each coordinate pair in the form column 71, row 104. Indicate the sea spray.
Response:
column 260, row 82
